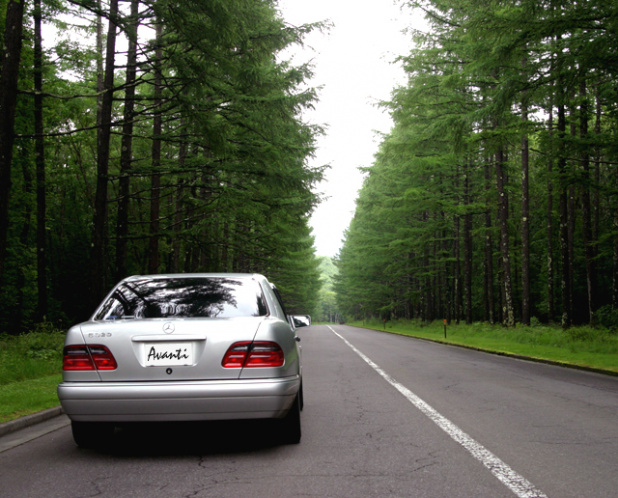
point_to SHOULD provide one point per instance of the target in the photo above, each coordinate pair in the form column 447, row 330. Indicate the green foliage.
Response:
column 30, row 370
column 607, row 316
column 426, row 241
column 32, row 355
column 235, row 189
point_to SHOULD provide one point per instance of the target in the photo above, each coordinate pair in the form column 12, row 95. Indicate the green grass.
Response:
column 30, row 370
column 586, row 347
column 28, row 396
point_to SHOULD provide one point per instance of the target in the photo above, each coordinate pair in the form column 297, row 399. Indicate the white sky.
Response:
column 354, row 64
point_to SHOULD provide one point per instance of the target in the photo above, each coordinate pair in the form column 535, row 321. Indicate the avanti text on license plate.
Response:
column 162, row 354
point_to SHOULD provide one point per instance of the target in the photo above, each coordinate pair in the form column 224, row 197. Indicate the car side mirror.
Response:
column 301, row 320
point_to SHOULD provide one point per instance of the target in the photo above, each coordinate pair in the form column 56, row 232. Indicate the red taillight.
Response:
column 77, row 358
column 265, row 354
column 88, row 357
column 253, row 354
column 236, row 355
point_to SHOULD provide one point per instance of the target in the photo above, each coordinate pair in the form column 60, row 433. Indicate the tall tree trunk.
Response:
column 615, row 259
column 126, row 151
column 551, row 309
column 41, row 245
column 490, row 304
column 178, row 212
column 436, row 283
column 572, row 193
column 24, row 237
column 208, row 221
column 457, row 300
column 176, row 241
column 589, row 242
column 508, row 315
column 409, row 286
column 467, row 245
column 226, row 260
column 9, row 74
column 426, row 282
column 597, row 168
column 100, row 65
column 565, row 283
column 447, row 270
column 155, row 203
column 508, row 310
column 525, row 221
column 99, row 242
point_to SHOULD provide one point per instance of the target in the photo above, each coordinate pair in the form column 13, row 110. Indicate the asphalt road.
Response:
column 384, row 416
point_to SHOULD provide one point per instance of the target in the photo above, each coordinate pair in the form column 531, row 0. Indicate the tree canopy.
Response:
column 151, row 136
column 494, row 197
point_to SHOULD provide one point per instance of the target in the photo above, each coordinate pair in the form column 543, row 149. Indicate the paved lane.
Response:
column 361, row 437
column 557, row 427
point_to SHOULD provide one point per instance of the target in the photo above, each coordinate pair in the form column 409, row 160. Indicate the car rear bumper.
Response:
column 177, row 401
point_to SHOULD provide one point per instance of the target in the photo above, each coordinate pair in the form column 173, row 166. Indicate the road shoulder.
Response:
column 13, row 433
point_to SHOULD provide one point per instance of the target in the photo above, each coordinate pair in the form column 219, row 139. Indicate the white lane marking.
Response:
column 515, row 482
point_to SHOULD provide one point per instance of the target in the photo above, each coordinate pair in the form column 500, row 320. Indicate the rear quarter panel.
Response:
column 279, row 331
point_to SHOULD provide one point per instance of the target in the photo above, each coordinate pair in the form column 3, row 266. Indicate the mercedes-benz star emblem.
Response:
column 168, row 328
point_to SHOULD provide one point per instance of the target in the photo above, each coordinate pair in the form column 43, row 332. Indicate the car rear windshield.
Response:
column 184, row 297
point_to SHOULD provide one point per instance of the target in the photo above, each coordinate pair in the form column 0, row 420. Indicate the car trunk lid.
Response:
column 163, row 349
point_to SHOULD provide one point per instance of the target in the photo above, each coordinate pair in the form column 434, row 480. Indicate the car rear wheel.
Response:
column 290, row 424
column 301, row 397
column 91, row 434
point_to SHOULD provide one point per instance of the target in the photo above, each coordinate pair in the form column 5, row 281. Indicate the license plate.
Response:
column 163, row 354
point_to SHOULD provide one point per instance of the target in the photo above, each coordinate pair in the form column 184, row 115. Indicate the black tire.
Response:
column 290, row 424
column 301, row 397
column 92, row 434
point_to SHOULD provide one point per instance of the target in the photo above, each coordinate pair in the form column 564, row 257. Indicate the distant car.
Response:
column 184, row 347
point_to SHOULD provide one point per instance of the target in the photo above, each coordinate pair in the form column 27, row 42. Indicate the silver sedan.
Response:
column 184, row 347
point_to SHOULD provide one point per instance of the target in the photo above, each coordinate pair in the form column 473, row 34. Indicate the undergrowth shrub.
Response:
column 31, row 355
column 607, row 316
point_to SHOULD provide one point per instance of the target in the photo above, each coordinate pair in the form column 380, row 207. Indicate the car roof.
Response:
column 256, row 276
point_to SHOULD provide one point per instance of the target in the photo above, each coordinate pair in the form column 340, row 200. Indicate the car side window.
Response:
column 280, row 300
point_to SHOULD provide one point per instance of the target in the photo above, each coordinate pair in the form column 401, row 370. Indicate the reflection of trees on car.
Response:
column 184, row 297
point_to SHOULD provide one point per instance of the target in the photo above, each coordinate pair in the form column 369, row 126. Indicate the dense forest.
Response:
column 495, row 195
column 150, row 136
